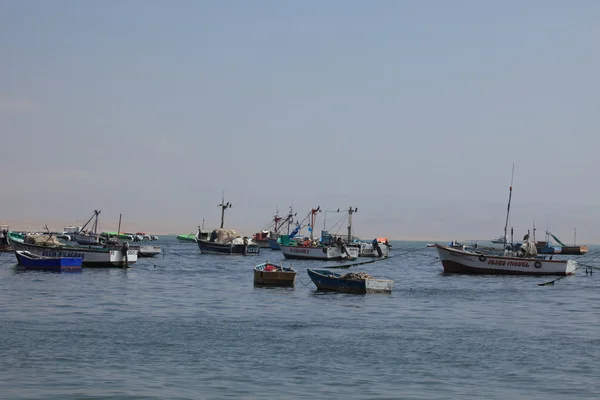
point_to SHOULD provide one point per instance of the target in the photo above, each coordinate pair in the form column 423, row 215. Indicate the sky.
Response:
column 412, row 111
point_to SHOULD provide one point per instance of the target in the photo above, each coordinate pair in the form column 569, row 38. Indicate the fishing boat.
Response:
column 474, row 262
column 369, row 250
column 499, row 240
column 545, row 247
column 89, row 237
column 92, row 256
column 189, row 238
column 227, row 241
column 325, row 249
column 201, row 234
column 274, row 237
column 511, row 259
column 71, row 231
column 270, row 274
column 354, row 282
column 238, row 246
column 32, row 261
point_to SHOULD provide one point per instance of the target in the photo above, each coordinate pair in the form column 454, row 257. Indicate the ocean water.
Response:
column 192, row 326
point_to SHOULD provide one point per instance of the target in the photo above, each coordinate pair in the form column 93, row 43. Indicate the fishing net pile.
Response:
column 528, row 249
column 357, row 276
column 42, row 240
column 223, row 235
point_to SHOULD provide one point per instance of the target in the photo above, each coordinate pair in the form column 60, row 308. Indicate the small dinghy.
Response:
column 353, row 282
column 32, row 261
column 269, row 274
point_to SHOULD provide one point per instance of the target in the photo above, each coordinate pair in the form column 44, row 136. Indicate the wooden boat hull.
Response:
column 207, row 247
column 92, row 257
column 330, row 281
column 283, row 276
column 459, row 261
column 54, row 264
column 325, row 253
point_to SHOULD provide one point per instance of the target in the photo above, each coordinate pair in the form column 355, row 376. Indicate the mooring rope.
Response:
column 148, row 260
column 305, row 284
column 551, row 283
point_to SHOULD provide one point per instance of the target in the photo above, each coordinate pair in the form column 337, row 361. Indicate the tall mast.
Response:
column 508, row 208
column 119, row 227
column 350, row 212
column 276, row 219
column 224, row 206
column 313, row 212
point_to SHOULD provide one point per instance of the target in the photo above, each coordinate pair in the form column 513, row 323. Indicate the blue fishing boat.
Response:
column 32, row 261
column 353, row 282
column 270, row 274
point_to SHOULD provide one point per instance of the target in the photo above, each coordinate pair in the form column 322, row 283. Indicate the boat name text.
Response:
column 510, row 263
column 62, row 254
column 300, row 250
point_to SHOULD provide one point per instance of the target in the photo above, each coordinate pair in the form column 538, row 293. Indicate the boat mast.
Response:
column 350, row 212
column 290, row 219
column 508, row 208
column 119, row 228
column 276, row 219
column 224, row 206
column 313, row 212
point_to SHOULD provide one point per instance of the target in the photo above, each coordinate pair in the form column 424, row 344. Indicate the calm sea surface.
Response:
column 193, row 326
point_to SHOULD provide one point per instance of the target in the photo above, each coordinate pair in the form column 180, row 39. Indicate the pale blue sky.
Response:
column 412, row 111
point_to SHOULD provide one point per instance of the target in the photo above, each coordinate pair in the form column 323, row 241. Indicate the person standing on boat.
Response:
column 376, row 247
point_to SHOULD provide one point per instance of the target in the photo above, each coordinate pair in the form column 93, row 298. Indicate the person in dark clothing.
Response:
column 376, row 247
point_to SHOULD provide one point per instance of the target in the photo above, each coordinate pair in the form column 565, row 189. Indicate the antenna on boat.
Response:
column 224, row 206
column 508, row 208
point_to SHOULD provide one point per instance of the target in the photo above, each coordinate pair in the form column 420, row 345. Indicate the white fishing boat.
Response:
column 500, row 240
column 319, row 252
column 367, row 250
column 473, row 262
column 310, row 249
column 520, row 259
column 92, row 257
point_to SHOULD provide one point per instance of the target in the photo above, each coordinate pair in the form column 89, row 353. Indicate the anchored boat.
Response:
column 270, row 274
column 354, row 282
column 32, row 261
column 310, row 249
column 92, row 256
column 472, row 262
column 514, row 260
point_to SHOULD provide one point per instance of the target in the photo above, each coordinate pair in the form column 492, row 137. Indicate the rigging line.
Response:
column 7, row 261
column 177, row 254
column 551, row 283
column 340, row 221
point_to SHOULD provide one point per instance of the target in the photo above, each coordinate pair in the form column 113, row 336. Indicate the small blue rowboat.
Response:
column 269, row 274
column 32, row 261
column 353, row 282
